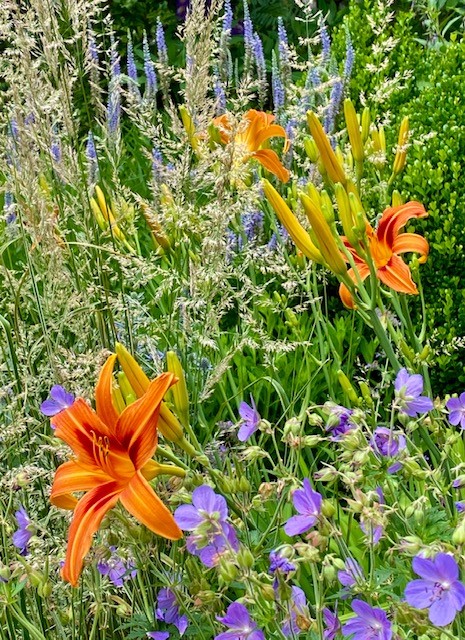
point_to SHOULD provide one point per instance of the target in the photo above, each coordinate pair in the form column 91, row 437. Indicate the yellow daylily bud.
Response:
column 382, row 138
column 43, row 184
column 102, row 223
column 313, row 194
column 135, row 375
column 107, row 214
column 189, row 127
column 169, row 425
column 401, row 153
column 127, row 391
column 180, row 395
column 366, row 123
column 339, row 155
column 348, row 388
column 345, row 213
column 327, row 207
column 328, row 157
column 366, row 393
column 152, row 469
column 326, row 241
column 311, row 149
column 396, row 199
column 353, row 130
column 117, row 399
column 155, row 227
column 298, row 234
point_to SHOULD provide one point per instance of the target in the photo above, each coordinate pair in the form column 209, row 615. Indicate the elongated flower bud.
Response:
column 298, row 234
column 154, row 225
column 327, row 207
column 311, row 149
column 189, row 127
column 104, row 215
column 328, row 157
column 345, row 213
column 326, row 241
column 401, row 154
column 353, row 130
column 366, row 123
column 127, row 391
column 396, row 199
column 313, row 194
column 179, row 390
column 348, row 388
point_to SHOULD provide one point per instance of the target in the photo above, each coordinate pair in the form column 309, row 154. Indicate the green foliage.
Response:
column 434, row 175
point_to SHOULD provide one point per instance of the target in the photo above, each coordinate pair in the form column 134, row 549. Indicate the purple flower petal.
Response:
column 187, row 517
column 299, row 524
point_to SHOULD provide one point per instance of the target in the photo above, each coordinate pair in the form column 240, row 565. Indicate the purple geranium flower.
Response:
column 251, row 418
column 168, row 610
column 333, row 626
column 116, row 569
column 408, row 390
column 387, row 442
column 440, row 590
column 22, row 536
column 280, row 564
column 206, row 518
column 308, row 504
column 456, row 408
column 241, row 626
column 352, row 573
column 460, row 506
column 342, row 416
column 370, row 623
column 298, row 614
column 59, row 399
column 158, row 635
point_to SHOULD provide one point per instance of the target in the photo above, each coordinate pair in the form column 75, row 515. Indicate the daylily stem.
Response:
column 169, row 455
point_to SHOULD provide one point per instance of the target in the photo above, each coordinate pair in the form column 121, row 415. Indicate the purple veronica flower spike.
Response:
column 206, row 518
column 387, row 442
column 251, row 419
column 158, row 635
column 352, row 573
column 241, row 626
column 370, row 623
column 440, row 590
column 168, row 610
column 22, row 536
column 59, row 399
column 308, row 504
column 333, row 626
column 456, row 408
column 408, row 390
column 298, row 614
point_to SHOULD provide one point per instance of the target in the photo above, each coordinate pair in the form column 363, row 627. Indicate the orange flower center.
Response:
column 380, row 252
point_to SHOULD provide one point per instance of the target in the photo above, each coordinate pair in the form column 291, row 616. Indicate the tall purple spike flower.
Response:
column 220, row 94
column 325, row 41
column 407, row 390
column 114, row 97
column 259, row 57
column 252, row 223
column 283, row 43
column 162, row 49
column 439, row 590
column 248, row 32
column 207, row 517
column 151, row 84
column 9, row 208
column 227, row 17
column 22, row 535
column 334, row 104
column 240, row 624
column 277, row 87
column 132, row 70
column 370, row 623
column 308, row 503
column 91, row 155
column 55, row 147
column 168, row 610
column 350, row 57
column 92, row 48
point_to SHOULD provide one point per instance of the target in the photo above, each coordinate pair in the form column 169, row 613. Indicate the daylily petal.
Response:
column 269, row 159
column 411, row 243
column 271, row 131
column 137, row 425
column 396, row 275
column 103, row 400
column 394, row 218
column 344, row 293
column 76, row 426
column 88, row 515
column 70, row 477
column 143, row 503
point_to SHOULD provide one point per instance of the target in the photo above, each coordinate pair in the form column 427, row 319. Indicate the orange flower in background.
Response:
column 255, row 128
column 112, row 463
column 385, row 246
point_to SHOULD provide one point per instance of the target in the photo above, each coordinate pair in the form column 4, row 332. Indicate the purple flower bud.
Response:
column 277, row 86
column 334, row 104
column 151, row 84
column 283, row 43
column 22, row 535
column 325, row 41
column 161, row 43
column 350, row 57
column 248, row 31
column 227, row 17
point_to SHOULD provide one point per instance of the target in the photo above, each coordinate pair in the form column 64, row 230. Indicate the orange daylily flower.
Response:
column 113, row 461
column 255, row 128
column 385, row 246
